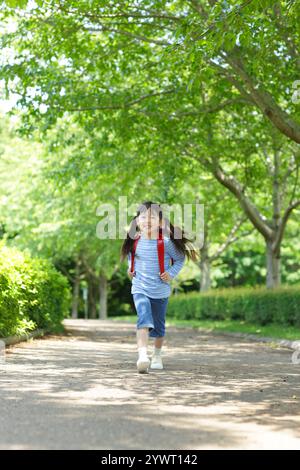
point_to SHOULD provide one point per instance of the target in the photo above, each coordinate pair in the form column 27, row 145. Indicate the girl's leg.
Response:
column 142, row 337
column 144, row 318
column 158, row 342
column 159, row 308
column 144, row 323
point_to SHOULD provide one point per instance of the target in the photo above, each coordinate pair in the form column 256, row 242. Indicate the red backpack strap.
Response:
column 133, row 253
column 161, row 252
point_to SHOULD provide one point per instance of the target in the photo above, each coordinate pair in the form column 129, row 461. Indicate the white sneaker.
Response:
column 156, row 362
column 142, row 364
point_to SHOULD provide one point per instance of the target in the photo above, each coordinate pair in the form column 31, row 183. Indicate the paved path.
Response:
column 82, row 391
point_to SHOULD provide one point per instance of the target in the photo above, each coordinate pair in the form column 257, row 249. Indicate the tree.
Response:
column 137, row 70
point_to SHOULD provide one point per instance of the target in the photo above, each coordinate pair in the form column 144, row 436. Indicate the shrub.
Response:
column 33, row 294
column 254, row 305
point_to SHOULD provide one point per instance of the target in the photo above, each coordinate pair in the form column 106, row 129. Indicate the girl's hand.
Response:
column 130, row 274
column 165, row 276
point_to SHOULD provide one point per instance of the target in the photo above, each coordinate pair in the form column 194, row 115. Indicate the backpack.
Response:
column 160, row 252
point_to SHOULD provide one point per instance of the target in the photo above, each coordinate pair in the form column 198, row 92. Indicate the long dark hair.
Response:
column 183, row 244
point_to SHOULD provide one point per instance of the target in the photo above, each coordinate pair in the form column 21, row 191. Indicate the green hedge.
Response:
column 33, row 294
column 253, row 305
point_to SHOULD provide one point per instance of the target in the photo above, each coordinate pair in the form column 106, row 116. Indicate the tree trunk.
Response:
column 273, row 249
column 205, row 281
column 103, row 297
column 92, row 297
column 76, row 287
column 273, row 266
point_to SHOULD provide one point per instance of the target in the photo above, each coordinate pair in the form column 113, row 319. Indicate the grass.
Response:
column 273, row 330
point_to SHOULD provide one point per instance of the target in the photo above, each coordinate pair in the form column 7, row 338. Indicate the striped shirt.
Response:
column 146, row 265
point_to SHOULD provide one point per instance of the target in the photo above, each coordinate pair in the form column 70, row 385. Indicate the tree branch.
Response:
column 162, row 16
column 265, row 101
column 126, row 104
column 235, row 188
column 231, row 238
column 232, row 80
column 279, row 22
column 286, row 215
column 129, row 34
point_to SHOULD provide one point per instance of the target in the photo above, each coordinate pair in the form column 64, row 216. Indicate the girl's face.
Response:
column 148, row 221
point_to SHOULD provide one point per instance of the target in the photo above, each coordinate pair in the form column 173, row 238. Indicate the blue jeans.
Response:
column 151, row 313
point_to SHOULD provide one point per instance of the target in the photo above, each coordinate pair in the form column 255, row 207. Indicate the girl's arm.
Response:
column 129, row 260
column 178, row 258
column 129, row 265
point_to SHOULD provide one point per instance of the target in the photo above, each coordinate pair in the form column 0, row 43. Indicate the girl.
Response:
column 150, row 288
